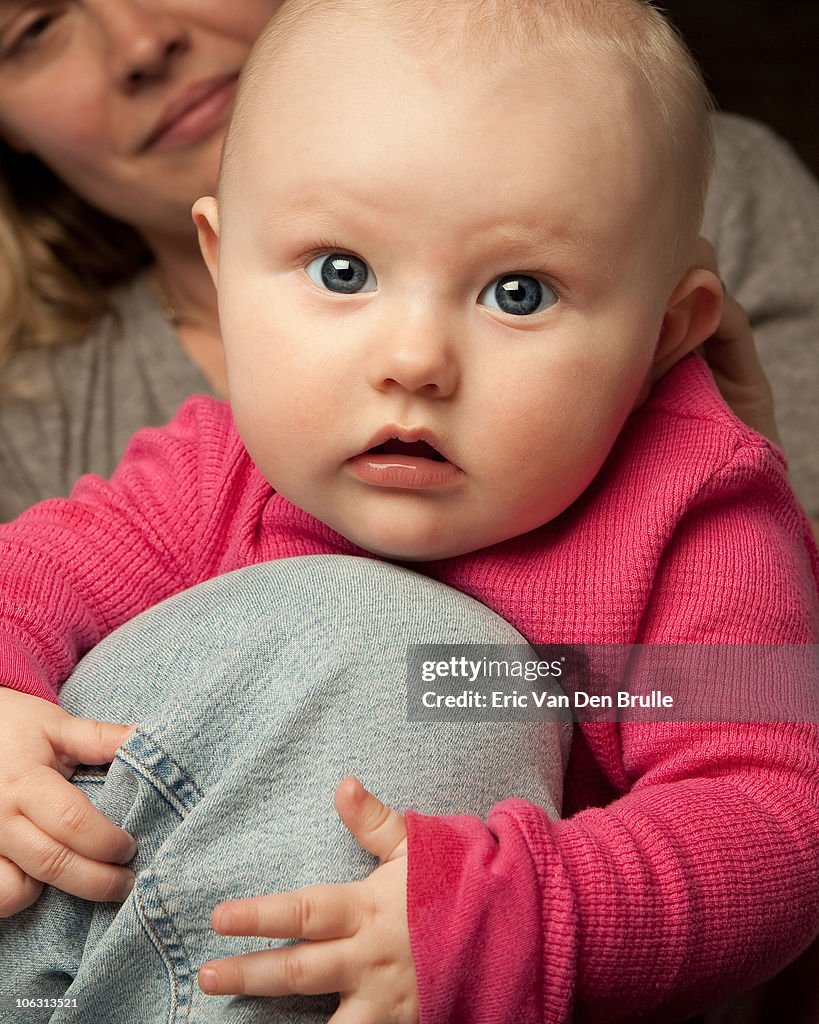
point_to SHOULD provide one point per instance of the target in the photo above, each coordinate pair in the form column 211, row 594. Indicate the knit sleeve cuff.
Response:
column 481, row 922
column 20, row 671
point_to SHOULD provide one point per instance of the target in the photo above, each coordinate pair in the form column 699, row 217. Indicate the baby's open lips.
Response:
column 405, row 459
column 415, row 449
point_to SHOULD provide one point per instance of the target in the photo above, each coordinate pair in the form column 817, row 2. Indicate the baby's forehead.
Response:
column 448, row 35
column 487, row 158
column 320, row 59
column 320, row 50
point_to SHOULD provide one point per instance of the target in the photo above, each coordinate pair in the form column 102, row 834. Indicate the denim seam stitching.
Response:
column 181, row 793
column 174, row 956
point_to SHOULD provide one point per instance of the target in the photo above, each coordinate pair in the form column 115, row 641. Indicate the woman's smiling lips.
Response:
column 405, row 459
column 194, row 114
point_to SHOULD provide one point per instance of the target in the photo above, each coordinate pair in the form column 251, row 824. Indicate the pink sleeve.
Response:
column 702, row 880
column 664, row 902
column 72, row 570
column 492, row 918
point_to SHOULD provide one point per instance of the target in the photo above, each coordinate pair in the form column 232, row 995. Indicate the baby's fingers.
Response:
column 378, row 828
column 17, row 889
column 306, row 969
column 55, row 864
column 315, row 912
column 65, row 813
column 85, row 740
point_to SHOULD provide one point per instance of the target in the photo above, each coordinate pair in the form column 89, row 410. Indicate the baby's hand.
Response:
column 49, row 831
column 359, row 938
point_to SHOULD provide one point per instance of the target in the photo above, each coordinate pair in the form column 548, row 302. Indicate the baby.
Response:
column 455, row 249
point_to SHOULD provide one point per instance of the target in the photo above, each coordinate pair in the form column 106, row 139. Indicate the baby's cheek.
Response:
column 563, row 471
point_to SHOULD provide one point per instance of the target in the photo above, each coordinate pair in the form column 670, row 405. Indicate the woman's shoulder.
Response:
column 740, row 137
column 757, row 176
column 70, row 409
column 762, row 215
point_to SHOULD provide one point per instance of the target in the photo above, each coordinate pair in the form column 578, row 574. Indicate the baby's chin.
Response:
column 397, row 546
column 402, row 532
column 407, row 551
column 409, row 547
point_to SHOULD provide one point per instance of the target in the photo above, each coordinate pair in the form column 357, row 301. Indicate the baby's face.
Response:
column 440, row 294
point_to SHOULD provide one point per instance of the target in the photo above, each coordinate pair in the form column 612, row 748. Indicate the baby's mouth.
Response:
column 413, row 449
column 405, row 465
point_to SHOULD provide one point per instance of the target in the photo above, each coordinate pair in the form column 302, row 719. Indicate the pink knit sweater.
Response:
column 699, row 876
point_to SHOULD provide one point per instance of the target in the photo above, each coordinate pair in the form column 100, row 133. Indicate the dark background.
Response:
column 760, row 58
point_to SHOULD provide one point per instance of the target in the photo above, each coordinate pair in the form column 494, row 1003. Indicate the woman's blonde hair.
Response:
column 59, row 257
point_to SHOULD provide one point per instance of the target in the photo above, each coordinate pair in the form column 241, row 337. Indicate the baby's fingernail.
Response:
column 208, row 981
column 128, row 887
column 226, row 921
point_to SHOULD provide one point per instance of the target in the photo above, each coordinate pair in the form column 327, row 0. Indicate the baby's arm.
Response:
column 71, row 571
column 702, row 879
column 49, row 831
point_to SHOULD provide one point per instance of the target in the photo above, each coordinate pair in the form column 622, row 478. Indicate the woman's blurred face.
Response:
column 126, row 100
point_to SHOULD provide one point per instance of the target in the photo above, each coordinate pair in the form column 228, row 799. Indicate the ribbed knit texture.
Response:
column 700, row 878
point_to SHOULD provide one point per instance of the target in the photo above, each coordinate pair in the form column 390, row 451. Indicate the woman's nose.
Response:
column 139, row 39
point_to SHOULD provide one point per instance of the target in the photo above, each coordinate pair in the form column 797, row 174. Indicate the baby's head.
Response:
column 454, row 245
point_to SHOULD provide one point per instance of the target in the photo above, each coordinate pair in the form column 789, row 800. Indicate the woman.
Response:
column 109, row 317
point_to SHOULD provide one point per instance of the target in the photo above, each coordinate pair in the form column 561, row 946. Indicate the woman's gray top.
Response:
column 762, row 216
column 88, row 399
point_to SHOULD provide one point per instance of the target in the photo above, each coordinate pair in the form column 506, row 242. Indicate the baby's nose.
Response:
column 417, row 361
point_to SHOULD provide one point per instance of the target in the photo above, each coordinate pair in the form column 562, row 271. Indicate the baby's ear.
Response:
column 692, row 315
column 205, row 214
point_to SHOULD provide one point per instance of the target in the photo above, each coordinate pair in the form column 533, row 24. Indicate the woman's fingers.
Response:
column 706, row 255
column 295, row 970
column 732, row 357
column 732, row 350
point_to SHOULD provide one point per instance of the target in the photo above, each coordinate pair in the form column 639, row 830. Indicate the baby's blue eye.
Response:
column 341, row 272
column 518, row 294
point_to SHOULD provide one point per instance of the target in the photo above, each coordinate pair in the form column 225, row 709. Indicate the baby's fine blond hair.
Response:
column 630, row 33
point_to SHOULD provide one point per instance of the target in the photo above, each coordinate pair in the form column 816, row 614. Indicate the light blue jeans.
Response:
column 257, row 693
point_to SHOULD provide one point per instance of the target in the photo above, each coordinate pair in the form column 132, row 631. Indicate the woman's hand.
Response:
column 49, row 831
column 732, row 358
column 358, row 934
column 733, row 361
